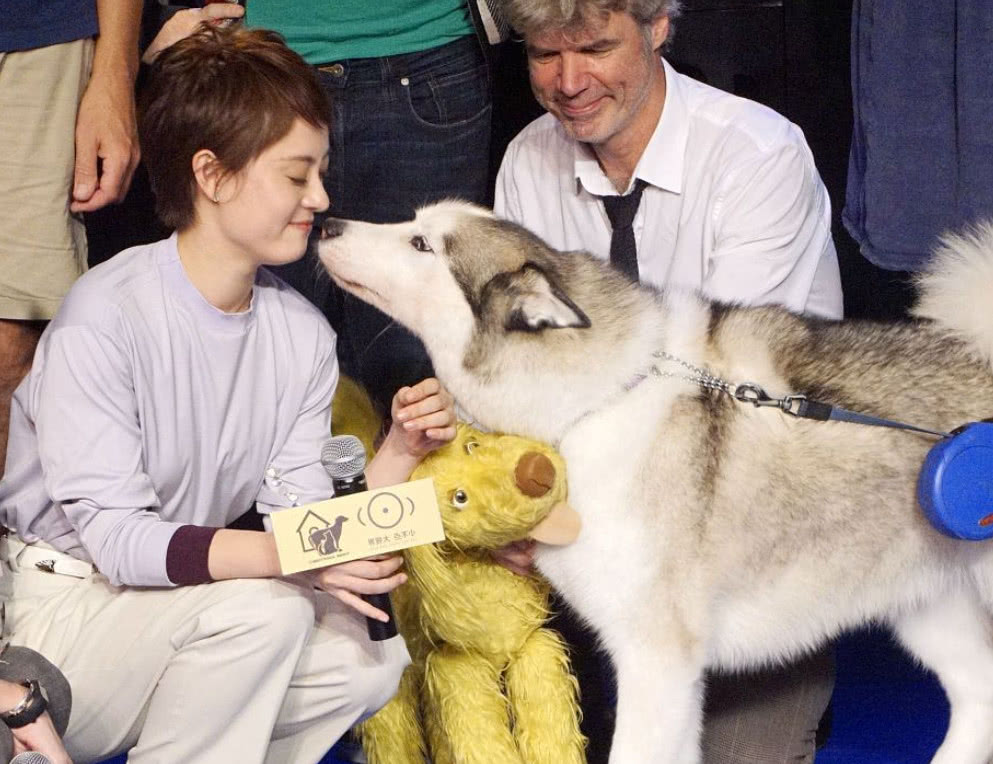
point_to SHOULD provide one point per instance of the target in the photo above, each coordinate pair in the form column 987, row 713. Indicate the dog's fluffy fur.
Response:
column 715, row 533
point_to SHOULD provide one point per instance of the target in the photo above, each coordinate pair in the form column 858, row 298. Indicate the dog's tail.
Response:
column 956, row 289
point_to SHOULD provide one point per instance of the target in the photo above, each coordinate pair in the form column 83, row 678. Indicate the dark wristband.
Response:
column 187, row 555
column 29, row 709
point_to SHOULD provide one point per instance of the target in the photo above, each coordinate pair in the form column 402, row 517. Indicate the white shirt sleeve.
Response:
column 90, row 444
column 772, row 236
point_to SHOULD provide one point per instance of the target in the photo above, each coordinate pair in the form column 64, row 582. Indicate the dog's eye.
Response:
column 460, row 499
column 421, row 244
column 470, row 445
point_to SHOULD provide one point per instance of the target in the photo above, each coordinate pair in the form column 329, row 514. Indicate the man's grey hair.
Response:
column 534, row 16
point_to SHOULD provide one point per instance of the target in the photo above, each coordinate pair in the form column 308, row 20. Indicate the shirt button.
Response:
column 292, row 496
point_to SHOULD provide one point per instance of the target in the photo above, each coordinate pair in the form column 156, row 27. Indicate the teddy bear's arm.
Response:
column 544, row 695
column 466, row 713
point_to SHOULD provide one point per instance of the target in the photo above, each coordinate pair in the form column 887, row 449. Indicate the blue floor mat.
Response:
column 886, row 709
column 331, row 758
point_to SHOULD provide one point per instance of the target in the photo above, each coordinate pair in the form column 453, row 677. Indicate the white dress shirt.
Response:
column 734, row 206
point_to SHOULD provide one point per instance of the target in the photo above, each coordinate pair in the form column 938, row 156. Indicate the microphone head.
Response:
column 343, row 457
column 31, row 757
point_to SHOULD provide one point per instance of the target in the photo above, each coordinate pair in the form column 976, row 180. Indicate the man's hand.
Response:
column 372, row 575
column 517, row 557
column 106, row 143
column 184, row 23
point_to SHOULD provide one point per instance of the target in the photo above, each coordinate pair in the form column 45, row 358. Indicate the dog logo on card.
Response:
column 318, row 535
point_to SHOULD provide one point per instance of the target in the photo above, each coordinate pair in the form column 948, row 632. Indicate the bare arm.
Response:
column 105, row 124
column 39, row 735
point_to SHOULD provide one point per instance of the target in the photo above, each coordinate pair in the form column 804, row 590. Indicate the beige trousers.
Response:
column 42, row 244
column 231, row 672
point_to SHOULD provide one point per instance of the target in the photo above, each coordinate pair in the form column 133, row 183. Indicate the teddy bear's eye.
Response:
column 460, row 499
column 470, row 445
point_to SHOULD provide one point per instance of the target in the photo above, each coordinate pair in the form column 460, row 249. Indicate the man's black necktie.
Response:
column 621, row 211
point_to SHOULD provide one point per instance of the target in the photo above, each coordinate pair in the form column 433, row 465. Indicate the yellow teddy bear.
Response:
column 488, row 683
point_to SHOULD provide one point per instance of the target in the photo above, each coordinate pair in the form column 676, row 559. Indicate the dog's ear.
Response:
column 537, row 303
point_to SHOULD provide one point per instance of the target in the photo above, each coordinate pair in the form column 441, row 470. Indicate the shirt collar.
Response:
column 185, row 293
column 661, row 163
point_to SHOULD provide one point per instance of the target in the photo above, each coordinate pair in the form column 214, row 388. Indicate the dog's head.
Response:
column 453, row 260
column 489, row 299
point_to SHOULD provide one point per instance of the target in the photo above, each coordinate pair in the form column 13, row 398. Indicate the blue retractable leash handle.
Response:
column 955, row 486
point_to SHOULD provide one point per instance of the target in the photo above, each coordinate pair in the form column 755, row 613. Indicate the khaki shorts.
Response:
column 42, row 245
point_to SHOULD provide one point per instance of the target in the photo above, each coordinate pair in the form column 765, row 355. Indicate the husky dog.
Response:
column 716, row 534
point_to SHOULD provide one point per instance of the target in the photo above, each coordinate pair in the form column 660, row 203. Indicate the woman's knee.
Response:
column 377, row 683
column 275, row 613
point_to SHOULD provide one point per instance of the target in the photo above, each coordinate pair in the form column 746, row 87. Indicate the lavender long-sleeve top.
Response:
column 147, row 409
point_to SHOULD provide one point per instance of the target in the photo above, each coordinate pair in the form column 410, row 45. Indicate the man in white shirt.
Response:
column 731, row 205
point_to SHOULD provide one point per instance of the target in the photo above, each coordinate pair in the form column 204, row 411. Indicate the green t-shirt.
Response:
column 330, row 30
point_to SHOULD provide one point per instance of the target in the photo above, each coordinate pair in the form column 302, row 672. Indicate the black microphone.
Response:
column 343, row 457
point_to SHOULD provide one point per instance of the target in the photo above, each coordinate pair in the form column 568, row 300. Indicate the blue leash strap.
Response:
column 802, row 407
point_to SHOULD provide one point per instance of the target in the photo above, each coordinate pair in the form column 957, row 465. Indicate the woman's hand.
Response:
column 371, row 575
column 184, row 23
column 423, row 417
column 517, row 556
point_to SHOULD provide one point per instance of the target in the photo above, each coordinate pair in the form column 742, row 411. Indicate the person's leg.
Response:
column 342, row 677
column 18, row 340
column 421, row 134
column 195, row 674
column 406, row 130
column 769, row 716
column 42, row 246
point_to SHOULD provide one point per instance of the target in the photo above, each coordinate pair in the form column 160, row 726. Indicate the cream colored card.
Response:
column 360, row 525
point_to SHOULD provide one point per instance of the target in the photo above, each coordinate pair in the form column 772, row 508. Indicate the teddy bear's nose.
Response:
column 535, row 474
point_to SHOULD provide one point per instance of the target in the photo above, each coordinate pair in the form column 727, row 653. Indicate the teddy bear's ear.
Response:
column 536, row 302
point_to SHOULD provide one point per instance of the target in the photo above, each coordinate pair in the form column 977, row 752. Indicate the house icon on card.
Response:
column 318, row 535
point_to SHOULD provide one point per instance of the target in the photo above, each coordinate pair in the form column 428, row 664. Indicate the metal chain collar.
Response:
column 796, row 404
column 746, row 392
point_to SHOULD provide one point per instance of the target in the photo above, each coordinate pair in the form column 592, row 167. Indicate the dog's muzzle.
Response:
column 332, row 228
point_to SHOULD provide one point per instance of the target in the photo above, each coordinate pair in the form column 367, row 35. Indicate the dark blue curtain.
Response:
column 922, row 145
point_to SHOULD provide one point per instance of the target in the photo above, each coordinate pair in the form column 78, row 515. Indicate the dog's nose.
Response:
column 332, row 228
column 535, row 474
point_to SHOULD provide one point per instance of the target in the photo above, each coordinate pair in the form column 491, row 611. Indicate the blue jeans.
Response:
column 405, row 130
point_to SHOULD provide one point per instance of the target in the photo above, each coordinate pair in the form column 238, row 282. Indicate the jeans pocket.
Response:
column 450, row 100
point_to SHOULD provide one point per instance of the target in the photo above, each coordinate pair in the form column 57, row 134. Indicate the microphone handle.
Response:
column 378, row 630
